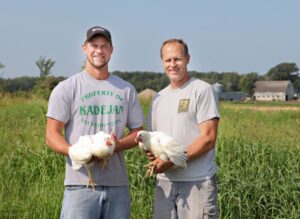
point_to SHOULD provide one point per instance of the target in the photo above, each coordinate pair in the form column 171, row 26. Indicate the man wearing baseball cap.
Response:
column 90, row 101
column 93, row 31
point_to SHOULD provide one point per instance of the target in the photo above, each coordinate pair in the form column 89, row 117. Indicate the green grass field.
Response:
column 258, row 157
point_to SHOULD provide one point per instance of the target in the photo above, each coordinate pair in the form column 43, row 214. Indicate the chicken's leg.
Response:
column 103, row 162
column 91, row 180
column 150, row 169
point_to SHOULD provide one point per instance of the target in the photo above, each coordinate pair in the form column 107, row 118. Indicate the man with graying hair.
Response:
column 88, row 102
column 187, row 110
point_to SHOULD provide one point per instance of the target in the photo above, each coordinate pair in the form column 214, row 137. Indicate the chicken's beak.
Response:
column 108, row 143
column 138, row 139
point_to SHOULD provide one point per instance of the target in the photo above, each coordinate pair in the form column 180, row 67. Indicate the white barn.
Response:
column 273, row 91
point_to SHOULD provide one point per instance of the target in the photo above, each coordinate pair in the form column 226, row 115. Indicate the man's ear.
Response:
column 83, row 47
column 188, row 59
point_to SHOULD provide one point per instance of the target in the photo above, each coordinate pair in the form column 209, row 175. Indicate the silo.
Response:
column 218, row 88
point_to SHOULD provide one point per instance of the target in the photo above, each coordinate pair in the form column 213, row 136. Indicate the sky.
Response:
column 223, row 36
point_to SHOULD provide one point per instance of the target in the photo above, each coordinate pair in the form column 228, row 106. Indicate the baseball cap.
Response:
column 97, row 30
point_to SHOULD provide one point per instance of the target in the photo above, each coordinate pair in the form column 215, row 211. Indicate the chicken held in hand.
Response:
column 163, row 146
column 100, row 145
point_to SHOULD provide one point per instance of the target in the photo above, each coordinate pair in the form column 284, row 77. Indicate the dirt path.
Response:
column 266, row 108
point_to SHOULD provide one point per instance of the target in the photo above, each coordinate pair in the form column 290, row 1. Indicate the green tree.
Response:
column 230, row 81
column 2, row 87
column 18, row 84
column 45, row 66
column 283, row 71
column 209, row 77
column 247, row 82
column 296, row 85
column 45, row 82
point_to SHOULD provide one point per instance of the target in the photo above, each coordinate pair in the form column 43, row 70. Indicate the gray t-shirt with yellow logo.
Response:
column 178, row 113
column 86, row 106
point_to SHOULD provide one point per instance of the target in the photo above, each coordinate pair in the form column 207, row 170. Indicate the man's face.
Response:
column 175, row 62
column 98, row 51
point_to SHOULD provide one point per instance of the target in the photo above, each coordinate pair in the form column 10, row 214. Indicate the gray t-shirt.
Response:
column 87, row 105
column 178, row 113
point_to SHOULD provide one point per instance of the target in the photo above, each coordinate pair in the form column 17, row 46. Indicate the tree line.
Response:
column 231, row 81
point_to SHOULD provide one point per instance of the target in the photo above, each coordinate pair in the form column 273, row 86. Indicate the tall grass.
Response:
column 257, row 180
column 258, row 156
column 31, row 175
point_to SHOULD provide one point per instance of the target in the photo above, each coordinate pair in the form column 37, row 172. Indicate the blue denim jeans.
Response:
column 107, row 202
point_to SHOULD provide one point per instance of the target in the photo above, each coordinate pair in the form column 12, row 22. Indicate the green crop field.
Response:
column 257, row 152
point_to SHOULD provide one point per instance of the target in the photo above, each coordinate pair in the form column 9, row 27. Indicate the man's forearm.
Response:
column 199, row 147
column 128, row 141
column 57, row 143
column 206, row 139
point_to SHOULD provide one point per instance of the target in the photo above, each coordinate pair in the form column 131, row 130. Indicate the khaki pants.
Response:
column 186, row 200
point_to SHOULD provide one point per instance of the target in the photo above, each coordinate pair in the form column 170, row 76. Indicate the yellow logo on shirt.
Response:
column 183, row 105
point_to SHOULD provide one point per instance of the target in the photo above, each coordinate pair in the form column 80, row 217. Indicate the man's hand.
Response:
column 116, row 140
column 162, row 166
column 150, row 156
column 125, row 142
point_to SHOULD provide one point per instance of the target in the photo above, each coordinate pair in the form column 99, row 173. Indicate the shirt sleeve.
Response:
column 150, row 122
column 135, row 112
column 59, row 105
column 207, row 105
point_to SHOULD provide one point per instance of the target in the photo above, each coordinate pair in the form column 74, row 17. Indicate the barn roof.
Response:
column 271, row 86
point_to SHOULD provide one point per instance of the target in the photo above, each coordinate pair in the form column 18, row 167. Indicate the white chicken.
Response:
column 163, row 146
column 100, row 145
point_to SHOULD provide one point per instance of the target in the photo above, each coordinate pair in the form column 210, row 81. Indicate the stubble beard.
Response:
column 177, row 77
column 99, row 67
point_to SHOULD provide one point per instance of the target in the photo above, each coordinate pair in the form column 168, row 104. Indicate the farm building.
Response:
column 230, row 95
column 233, row 95
column 273, row 90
